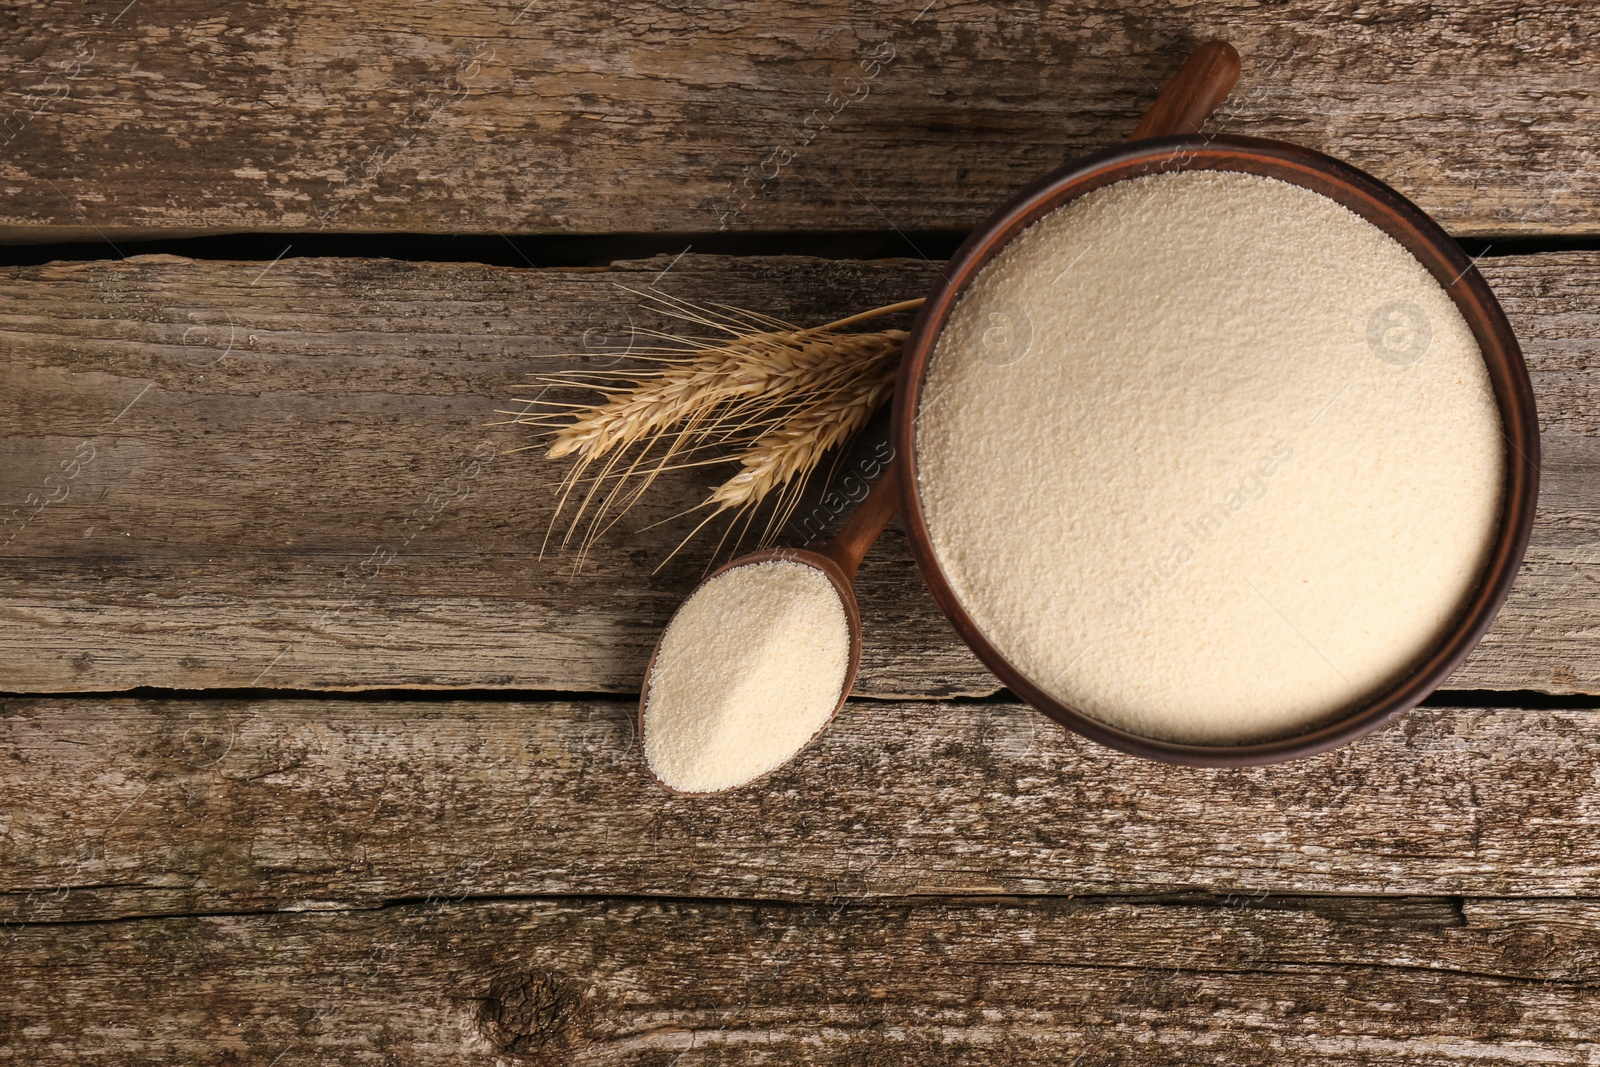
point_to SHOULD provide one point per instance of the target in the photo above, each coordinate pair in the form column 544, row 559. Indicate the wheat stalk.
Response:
column 773, row 397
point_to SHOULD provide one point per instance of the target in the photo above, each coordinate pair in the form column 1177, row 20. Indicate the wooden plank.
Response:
column 139, row 808
column 220, row 476
column 690, row 982
column 475, row 117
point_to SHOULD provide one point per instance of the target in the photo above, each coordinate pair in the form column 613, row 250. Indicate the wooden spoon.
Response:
column 838, row 560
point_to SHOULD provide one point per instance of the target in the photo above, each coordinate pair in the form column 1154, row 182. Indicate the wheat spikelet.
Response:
column 760, row 369
column 771, row 396
column 793, row 448
column 784, row 458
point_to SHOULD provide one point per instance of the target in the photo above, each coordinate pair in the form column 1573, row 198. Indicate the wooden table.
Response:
column 311, row 757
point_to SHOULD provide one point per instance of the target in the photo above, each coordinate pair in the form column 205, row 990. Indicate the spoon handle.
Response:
column 1199, row 88
column 863, row 528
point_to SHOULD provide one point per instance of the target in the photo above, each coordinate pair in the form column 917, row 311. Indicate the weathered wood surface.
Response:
column 500, row 115
column 1250, row 982
column 220, row 476
column 124, row 808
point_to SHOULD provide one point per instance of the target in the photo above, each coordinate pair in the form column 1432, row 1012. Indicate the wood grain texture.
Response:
column 477, row 116
column 692, row 982
column 217, row 476
column 127, row 808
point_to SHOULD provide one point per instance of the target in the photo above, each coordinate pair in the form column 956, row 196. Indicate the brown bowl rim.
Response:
column 1396, row 216
column 852, row 613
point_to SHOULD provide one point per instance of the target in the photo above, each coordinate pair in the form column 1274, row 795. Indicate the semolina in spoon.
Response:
column 759, row 658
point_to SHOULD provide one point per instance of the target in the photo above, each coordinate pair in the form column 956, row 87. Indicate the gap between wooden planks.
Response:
column 564, row 117
column 288, row 478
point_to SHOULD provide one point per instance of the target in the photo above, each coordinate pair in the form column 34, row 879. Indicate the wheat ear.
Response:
column 771, row 396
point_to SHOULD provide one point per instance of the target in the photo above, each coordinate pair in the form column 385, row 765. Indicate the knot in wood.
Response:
column 532, row 1014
